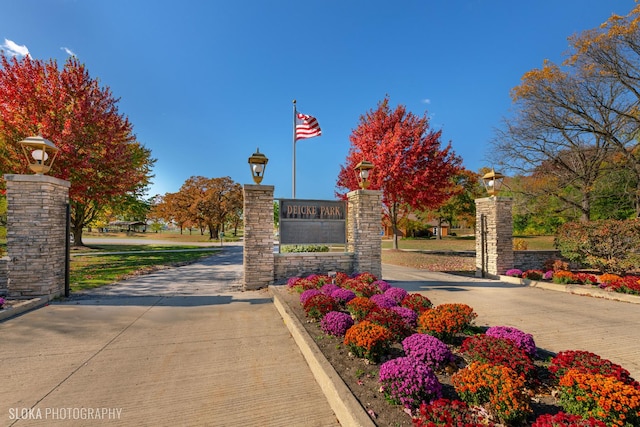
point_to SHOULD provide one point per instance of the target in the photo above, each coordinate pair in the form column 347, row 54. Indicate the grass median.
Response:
column 101, row 265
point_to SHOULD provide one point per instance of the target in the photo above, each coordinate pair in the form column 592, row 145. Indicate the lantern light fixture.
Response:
column 492, row 182
column 258, row 164
column 363, row 172
column 40, row 153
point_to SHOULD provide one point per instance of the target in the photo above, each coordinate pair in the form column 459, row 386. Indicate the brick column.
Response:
column 258, row 237
column 364, row 226
column 499, row 235
column 36, row 235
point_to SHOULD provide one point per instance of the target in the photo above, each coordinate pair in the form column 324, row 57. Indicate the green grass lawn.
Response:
column 464, row 243
column 89, row 271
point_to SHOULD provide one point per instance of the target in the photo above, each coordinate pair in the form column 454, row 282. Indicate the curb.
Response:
column 341, row 400
column 22, row 307
column 574, row 289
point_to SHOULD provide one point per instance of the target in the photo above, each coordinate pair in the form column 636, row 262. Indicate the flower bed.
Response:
column 400, row 378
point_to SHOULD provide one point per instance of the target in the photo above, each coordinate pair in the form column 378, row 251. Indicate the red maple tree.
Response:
column 411, row 168
column 99, row 153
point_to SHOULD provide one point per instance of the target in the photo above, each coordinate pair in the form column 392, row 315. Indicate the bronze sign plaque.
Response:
column 312, row 221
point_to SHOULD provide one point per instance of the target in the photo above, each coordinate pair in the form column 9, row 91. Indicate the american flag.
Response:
column 306, row 126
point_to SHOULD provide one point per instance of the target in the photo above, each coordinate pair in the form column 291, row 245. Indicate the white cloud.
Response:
column 14, row 49
column 426, row 101
column 68, row 51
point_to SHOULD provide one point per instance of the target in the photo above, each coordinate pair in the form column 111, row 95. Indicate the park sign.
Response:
column 304, row 222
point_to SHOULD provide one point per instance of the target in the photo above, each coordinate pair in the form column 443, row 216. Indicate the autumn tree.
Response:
column 411, row 168
column 99, row 153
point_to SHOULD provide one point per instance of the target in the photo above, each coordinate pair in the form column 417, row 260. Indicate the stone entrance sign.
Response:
column 312, row 221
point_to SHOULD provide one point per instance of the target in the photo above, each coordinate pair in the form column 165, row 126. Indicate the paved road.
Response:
column 180, row 347
column 558, row 321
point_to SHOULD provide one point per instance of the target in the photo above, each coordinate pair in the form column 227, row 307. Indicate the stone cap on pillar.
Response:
column 37, row 178
column 258, row 187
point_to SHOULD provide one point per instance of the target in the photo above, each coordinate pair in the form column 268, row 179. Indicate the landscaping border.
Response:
column 22, row 307
column 585, row 290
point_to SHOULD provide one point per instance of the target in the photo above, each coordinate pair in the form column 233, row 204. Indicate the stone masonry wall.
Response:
column 36, row 235
column 499, row 238
column 364, row 226
column 4, row 269
column 303, row 264
column 534, row 260
column 258, row 237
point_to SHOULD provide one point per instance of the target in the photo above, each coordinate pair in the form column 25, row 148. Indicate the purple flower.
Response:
column 292, row 281
column 383, row 301
column 548, row 275
column 382, row 285
column 514, row 272
column 2, row 301
column 342, row 295
column 328, row 288
column 428, row 350
column 397, row 294
column 409, row 316
column 408, row 382
column 308, row 294
column 520, row 339
column 336, row 323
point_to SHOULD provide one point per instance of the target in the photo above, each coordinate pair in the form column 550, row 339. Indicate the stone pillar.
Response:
column 364, row 230
column 36, row 235
column 258, row 237
column 495, row 214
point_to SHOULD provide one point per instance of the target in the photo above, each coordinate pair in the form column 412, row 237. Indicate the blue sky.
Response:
column 206, row 82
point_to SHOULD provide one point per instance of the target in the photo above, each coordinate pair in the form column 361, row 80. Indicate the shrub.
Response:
column 446, row 320
column 319, row 305
column 383, row 301
column 336, row 323
column 343, row 296
column 409, row 317
column 514, row 272
column 428, row 349
column 602, row 397
column 587, row 362
column 447, row 413
column 408, row 382
column 304, row 296
column 498, row 351
column 610, row 246
column 498, row 387
column 520, row 245
column 303, row 248
column 521, row 339
column 556, row 265
column 359, row 307
column 416, row 302
column 390, row 320
column 368, row 340
column 533, row 274
column 566, row 420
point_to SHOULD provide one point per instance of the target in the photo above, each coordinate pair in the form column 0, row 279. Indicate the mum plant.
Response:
column 521, row 339
column 408, row 382
column 498, row 387
column 359, row 307
column 319, row 305
column 587, row 362
column 336, row 323
column 397, row 294
column 416, row 302
column 602, row 397
column 381, row 285
column 498, row 351
column 564, row 277
column 368, row 340
column 428, row 350
column 305, row 295
column 533, row 274
column 328, row 288
column 383, row 301
column 409, row 316
column 562, row 419
column 514, row 272
column 446, row 320
column 361, row 289
column 343, row 296
column 391, row 320
column 447, row 413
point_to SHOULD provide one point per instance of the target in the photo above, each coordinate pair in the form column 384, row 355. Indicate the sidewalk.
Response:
column 179, row 347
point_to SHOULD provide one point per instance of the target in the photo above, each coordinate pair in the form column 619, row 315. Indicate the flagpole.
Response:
column 293, row 181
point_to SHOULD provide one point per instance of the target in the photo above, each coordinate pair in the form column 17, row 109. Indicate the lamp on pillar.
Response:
column 258, row 164
column 39, row 152
column 363, row 169
column 492, row 182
